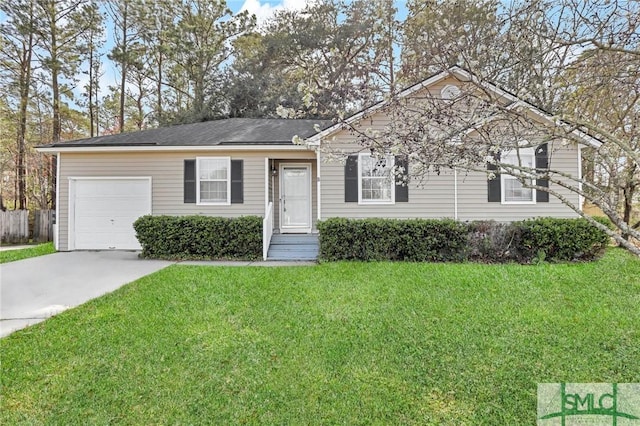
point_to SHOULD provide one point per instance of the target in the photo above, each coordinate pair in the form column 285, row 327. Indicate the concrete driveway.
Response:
column 35, row 289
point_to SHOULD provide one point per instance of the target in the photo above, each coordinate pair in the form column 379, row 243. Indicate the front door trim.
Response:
column 282, row 202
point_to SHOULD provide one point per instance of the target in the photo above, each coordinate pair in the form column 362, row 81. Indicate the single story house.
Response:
column 240, row 166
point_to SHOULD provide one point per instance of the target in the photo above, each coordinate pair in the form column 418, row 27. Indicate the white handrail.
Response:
column 267, row 230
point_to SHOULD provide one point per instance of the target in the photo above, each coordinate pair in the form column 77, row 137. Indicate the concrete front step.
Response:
column 285, row 258
column 293, row 247
column 294, row 239
column 301, row 247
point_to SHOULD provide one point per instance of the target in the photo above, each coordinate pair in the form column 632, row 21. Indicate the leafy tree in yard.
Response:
column 17, row 44
column 440, row 33
column 93, row 43
column 341, row 53
column 110, row 112
column 8, row 196
column 201, row 44
column 155, row 22
column 126, row 38
column 607, row 89
column 60, row 26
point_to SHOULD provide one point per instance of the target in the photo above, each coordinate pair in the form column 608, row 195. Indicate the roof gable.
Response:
column 461, row 75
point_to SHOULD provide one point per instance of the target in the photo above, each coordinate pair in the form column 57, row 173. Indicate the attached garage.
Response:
column 102, row 211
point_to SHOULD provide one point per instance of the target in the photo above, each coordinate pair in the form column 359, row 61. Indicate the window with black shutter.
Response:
column 369, row 179
column 508, row 189
column 213, row 181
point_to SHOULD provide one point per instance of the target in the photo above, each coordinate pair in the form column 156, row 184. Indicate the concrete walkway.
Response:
column 6, row 248
column 271, row 263
column 35, row 289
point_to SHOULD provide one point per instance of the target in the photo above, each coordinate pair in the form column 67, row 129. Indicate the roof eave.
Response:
column 171, row 148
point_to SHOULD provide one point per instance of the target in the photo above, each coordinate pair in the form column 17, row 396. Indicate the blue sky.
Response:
column 265, row 8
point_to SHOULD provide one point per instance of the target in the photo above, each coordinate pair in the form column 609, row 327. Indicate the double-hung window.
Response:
column 513, row 190
column 213, row 180
column 376, row 180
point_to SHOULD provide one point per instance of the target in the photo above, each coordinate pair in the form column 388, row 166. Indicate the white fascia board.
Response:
column 588, row 140
column 173, row 148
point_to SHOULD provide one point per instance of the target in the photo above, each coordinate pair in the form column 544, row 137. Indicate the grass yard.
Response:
column 348, row 343
column 19, row 254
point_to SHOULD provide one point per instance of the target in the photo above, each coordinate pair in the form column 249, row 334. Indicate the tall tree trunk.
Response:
column 124, row 66
column 628, row 193
column 96, row 107
column 391, row 27
column 25, row 84
column 198, row 95
column 56, row 125
column 55, row 87
column 140, row 107
column 91, row 77
column 159, row 82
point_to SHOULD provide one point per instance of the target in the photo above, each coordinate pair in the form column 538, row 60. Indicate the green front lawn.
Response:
column 19, row 254
column 348, row 343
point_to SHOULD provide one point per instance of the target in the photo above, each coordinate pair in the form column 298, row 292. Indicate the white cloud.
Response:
column 266, row 10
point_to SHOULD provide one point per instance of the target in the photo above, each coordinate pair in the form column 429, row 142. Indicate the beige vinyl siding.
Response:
column 166, row 170
column 472, row 193
column 431, row 198
column 434, row 196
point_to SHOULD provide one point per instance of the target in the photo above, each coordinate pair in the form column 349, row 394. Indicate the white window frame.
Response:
column 522, row 152
column 390, row 158
column 213, row 203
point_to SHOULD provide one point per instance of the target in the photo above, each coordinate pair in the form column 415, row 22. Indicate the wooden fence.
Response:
column 17, row 226
column 43, row 225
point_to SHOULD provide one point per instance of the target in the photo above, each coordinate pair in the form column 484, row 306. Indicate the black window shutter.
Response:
column 189, row 181
column 542, row 164
column 237, row 186
column 351, row 179
column 402, row 185
column 493, row 185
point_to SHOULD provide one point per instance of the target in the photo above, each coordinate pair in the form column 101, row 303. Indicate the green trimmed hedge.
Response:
column 199, row 237
column 559, row 239
column 446, row 240
column 415, row 240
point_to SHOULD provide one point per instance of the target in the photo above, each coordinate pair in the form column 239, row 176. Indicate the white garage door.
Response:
column 103, row 211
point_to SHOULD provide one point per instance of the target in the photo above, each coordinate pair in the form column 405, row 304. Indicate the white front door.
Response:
column 295, row 197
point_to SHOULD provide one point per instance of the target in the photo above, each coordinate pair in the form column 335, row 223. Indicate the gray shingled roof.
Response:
column 242, row 131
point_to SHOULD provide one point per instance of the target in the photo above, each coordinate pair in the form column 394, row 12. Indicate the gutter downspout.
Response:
column 580, row 197
column 56, row 228
column 318, row 184
column 266, row 185
column 455, row 193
